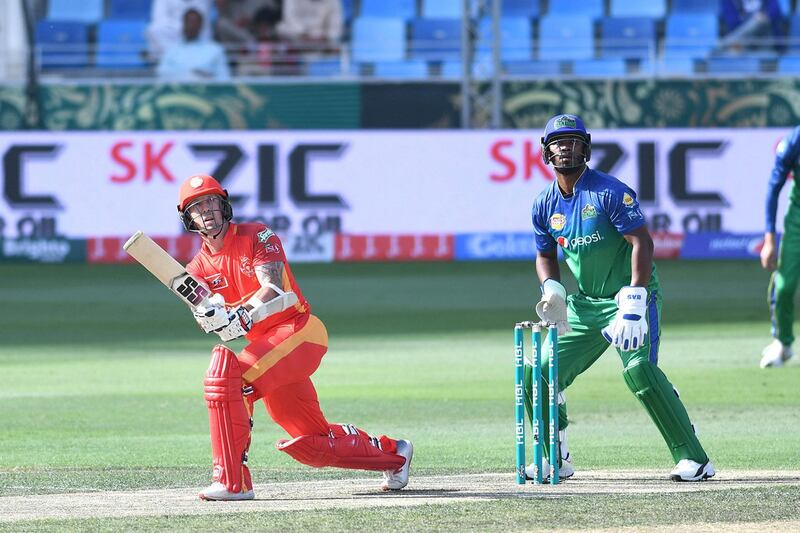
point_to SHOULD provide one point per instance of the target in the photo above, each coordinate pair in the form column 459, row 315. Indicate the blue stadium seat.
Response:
column 794, row 34
column 515, row 38
column 599, row 67
column 733, row 65
column 121, row 44
column 695, row 6
column 378, row 39
column 129, row 9
column 789, row 65
column 638, row 8
column 325, row 67
column 348, row 10
column 441, row 9
column 680, row 66
column 520, row 8
column 533, row 68
column 566, row 37
column 435, row 39
column 62, row 44
column 690, row 34
column 86, row 11
column 413, row 69
column 451, row 69
column 629, row 37
column 585, row 8
column 405, row 9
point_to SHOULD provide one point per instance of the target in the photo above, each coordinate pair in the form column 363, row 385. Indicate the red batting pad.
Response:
column 229, row 420
column 351, row 451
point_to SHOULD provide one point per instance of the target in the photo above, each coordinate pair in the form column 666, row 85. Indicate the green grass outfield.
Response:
column 101, row 373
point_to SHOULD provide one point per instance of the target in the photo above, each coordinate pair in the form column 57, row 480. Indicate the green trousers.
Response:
column 783, row 284
column 578, row 350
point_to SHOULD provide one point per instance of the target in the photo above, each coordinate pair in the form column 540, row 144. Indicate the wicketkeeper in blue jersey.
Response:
column 786, row 264
column 597, row 222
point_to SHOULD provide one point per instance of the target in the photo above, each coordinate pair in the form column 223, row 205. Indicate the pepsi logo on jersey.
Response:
column 581, row 240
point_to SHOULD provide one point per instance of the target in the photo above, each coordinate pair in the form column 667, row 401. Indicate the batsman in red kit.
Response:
column 255, row 296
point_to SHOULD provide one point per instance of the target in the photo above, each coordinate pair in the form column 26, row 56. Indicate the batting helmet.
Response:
column 570, row 127
column 195, row 187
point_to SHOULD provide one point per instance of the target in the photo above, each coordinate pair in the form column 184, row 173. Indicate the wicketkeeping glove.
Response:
column 553, row 306
column 629, row 328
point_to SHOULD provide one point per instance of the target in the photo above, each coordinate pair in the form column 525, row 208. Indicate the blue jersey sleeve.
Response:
column 544, row 241
column 786, row 156
column 622, row 208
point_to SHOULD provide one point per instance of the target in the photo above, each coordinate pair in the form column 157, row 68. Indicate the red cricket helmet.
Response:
column 194, row 187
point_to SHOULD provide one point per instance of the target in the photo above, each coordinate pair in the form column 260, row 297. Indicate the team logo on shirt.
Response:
column 272, row 248
column 588, row 212
column 265, row 235
column 627, row 200
column 246, row 266
column 217, row 281
column 558, row 221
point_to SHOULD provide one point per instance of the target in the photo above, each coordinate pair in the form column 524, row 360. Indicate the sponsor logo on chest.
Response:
column 217, row 282
column 581, row 240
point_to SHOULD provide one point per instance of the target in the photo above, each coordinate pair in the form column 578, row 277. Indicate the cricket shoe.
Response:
column 775, row 354
column 397, row 479
column 565, row 471
column 219, row 492
column 688, row 470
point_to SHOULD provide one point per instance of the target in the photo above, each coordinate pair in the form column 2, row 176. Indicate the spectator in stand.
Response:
column 194, row 59
column 165, row 28
column 235, row 26
column 750, row 25
column 313, row 25
column 273, row 55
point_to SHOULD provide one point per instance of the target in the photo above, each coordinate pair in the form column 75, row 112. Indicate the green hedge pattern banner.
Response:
column 188, row 107
column 698, row 103
column 656, row 103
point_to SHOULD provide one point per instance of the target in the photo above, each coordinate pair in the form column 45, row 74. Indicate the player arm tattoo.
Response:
column 269, row 275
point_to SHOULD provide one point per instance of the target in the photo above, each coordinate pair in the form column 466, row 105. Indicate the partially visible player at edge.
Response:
column 597, row 222
column 784, row 264
column 244, row 265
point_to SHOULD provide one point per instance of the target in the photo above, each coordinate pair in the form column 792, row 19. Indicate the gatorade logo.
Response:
column 580, row 241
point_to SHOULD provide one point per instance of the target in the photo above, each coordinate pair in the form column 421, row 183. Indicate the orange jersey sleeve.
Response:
column 231, row 271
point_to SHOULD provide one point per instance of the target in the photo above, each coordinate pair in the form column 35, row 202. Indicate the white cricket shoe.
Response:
column 397, row 479
column 566, row 470
column 688, row 470
column 775, row 354
column 219, row 492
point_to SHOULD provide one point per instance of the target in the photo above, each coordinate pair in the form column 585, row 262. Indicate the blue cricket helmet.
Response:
column 565, row 125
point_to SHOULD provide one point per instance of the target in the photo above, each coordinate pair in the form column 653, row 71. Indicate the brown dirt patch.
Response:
column 363, row 492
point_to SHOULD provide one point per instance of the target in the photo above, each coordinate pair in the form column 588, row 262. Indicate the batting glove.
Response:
column 239, row 323
column 213, row 316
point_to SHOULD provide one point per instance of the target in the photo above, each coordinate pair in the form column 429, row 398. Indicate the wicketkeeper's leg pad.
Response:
column 661, row 401
column 355, row 450
column 229, row 416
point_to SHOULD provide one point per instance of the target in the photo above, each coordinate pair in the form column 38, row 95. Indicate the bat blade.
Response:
column 168, row 271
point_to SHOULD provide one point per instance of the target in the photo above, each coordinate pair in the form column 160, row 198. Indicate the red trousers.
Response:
column 279, row 366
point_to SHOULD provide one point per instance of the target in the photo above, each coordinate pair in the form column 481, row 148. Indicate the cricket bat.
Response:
column 192, row 292
column 168, row 271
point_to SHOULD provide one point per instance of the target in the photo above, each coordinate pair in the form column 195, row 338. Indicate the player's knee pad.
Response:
column 229, row 416
column 344, row 447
